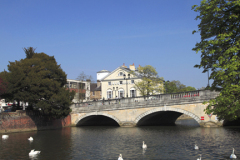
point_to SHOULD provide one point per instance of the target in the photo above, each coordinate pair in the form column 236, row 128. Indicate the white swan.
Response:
column 233, row 155
column 196, row 147
column 120, row 157
column 32, row 153
column 144, row 145
column 30, row 139
column 5, row 136
column 200, row 157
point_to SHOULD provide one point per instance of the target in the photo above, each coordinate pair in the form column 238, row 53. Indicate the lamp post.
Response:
column 115, row 91
column 126, row 78
column 208, row 78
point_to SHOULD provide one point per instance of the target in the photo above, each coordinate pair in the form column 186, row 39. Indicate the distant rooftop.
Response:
column 103, row 71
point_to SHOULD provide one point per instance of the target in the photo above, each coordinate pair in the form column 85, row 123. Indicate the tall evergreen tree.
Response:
column 30, row 51
column 39, row 80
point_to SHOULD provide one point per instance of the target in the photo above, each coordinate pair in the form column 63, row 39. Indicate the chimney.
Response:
column 132, row 67
column 124, row 65
column 98, row 83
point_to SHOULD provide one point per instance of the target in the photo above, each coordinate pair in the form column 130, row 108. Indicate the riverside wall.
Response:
column 22, row 121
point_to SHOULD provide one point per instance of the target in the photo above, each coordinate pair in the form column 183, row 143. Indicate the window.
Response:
column 120, row 74
column 81, row 86
column 120, row 93
column 132, row 92
column 120, row 82
column 132, row 81
column 109, row 94
column 93, row 93
column 109, row 83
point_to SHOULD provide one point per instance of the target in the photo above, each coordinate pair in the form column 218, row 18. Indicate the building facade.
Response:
column 82, row 89
column 95, row 89
column 120, row 83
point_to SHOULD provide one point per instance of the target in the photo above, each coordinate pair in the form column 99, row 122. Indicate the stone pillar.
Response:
column 127, row 124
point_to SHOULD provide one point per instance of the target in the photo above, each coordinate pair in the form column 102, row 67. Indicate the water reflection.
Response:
column 163, row 142
column 144, row 150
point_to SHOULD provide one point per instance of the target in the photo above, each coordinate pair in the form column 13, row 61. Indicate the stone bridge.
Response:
column 154, row 110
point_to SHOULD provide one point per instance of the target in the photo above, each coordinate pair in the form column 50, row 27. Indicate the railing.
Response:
column 152, row 100
column 185, row 94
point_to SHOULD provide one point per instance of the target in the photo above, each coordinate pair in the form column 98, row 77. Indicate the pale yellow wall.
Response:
column 115, row 82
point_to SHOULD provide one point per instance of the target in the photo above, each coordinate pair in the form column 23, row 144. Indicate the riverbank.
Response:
column 23, row 121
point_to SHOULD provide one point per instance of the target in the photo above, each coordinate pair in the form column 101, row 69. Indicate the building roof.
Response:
column 104, row 71
column 93, row 87
column 123, row 68
column 73, row 80
column 98, row 88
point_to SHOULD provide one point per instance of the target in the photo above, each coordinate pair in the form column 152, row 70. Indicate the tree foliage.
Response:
column 220, row 53
column 177, row 86
column 3, row 86
column 151, row 83
column 30, row 51
column 83, row 77
column 39, row 80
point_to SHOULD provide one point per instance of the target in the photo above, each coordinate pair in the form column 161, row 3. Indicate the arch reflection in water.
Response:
column 107, row 142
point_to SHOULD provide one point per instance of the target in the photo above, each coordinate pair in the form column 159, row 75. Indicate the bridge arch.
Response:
column 167, row 109
column 97, row 114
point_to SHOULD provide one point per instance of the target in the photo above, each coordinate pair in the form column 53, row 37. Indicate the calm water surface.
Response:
column 100, row 143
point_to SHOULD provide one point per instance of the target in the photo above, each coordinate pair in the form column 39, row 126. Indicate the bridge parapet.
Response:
column 144, row 102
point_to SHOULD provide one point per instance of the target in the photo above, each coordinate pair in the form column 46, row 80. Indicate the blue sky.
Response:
column 92, row 35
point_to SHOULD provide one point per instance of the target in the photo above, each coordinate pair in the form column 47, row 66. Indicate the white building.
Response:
column 101, row 74
column 120, row 83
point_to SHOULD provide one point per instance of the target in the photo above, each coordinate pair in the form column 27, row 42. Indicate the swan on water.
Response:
column 5, row 136
column 144, row 145
column 200, row 157
column 120, row 157
column 30, row 139
column 196, row 147
column 233, row 155
column 32, row 153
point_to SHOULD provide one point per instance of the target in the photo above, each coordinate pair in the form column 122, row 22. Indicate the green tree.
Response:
column 39, row 80
column 170, row 87
column 189, row 88
column 177, row 86
column 151, row 83
column 3, row 87
column 30, row 51
column 220, row 53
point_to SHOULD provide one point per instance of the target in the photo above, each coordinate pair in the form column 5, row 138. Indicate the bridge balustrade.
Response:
column 146, row 101
column 185, row 94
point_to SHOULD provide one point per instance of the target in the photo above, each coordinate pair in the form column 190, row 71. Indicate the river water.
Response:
column 105, row 142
